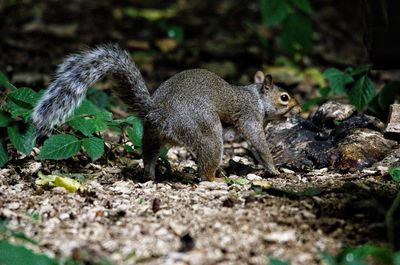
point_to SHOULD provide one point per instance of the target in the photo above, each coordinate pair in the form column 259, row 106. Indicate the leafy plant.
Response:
column 87, row 122
column 363, row 255
column 16, row 254
column 275, row 261
column 357, row 86
column 394, row 172
column 293, row 17
column 354, row 83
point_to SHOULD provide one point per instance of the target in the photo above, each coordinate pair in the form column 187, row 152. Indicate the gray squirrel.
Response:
column 187, row 109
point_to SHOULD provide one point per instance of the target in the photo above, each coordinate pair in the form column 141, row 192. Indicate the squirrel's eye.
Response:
column 285, row 98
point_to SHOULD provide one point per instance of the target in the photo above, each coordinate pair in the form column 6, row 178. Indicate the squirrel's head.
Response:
column 282, row 102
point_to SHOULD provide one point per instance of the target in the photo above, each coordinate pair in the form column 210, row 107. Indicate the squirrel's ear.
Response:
column 259, row 77
column 268, row 84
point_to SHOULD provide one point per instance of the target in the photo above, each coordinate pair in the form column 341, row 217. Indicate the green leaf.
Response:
column 397, row 258
column 388, row 94
column 3, row 154
column 274, row 12
column 22, row 139
column 86, row 108
column 4, row 82
column 361, row 70
column 337, row 80
column 60, row 146
column 5, row 119
column 89, row 125
column 24, row 95
column 328, row 258
column 99, row 98
column 394, row 172
column 362, row 93
column 21, row 102
column 275, row 261
column 296, row 36
column 18, row 254
column 94, row 147
column 135, row 132
column 303, row 5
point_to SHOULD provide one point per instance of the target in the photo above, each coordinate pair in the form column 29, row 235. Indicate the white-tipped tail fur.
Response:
column 78, row 72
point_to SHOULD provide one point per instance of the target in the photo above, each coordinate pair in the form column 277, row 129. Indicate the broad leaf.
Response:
column 89, row 125
column 60, row 146
column 297, row 34
column 303, row 5
column 362, row 93
column 98, row 97
column 274, row 12
column 18, row 254
column 94, row 147
column 5, row 119
column 361, row 70
column 4, row 82
column 395, row 173
column 23, row 139
column 388, row 94
column 3, row 154
column 86, row 108
column 24, row 95
column 337, row 80
column 135, row 133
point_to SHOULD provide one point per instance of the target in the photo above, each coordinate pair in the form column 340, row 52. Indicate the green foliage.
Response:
column 293, row 17
column 362, row 93
column 4, row 82
column 338, row 80
column 23, row 139
column 60, row 146
column 18, row 254
column 3, row 154
column 360, row 255
column 94, row 147
column 354, row 83
column 394, row 172
column 87, row 122
column 275, row 261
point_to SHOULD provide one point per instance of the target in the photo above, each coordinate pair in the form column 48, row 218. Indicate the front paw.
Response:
column 271, row 171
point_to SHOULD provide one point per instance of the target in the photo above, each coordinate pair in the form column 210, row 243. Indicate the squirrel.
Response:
column 188, row 109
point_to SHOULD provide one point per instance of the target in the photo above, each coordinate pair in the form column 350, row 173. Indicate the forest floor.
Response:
column 183, row 221
column 177, row 219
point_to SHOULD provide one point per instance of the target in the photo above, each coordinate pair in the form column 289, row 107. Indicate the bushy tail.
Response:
column 78, row 72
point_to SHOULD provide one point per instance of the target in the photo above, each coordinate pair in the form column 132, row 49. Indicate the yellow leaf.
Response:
column 262, row 184
column 69, row 184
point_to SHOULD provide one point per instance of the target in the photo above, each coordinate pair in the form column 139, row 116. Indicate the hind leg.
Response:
column 209, row 156
column 151, row 146
column 208, row 148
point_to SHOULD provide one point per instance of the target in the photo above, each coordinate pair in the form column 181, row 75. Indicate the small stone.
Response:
column 13, row 206
column 281, row 236
column 252, row 177
column 287, row 171
column 178, row 228
column 64, row 216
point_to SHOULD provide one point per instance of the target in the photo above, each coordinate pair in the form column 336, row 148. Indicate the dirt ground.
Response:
column 169, row 222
